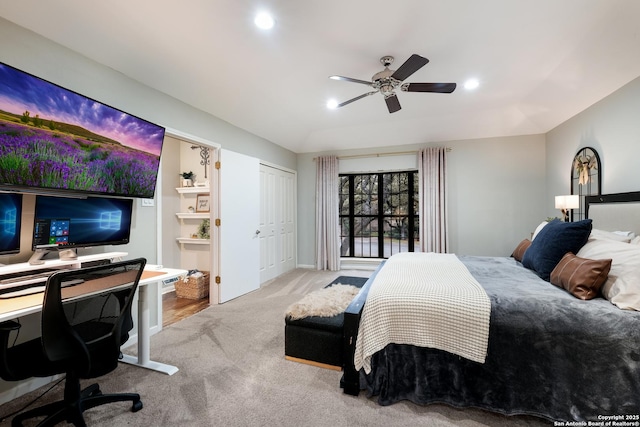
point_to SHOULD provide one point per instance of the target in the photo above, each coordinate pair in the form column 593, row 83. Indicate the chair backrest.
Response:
column 83, row 315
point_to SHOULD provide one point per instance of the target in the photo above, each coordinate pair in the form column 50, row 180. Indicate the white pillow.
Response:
column 611, row 235
column 622, row 287
column 538, row 228
column 629, row 234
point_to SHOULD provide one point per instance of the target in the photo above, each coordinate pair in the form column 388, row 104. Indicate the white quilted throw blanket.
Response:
column 426, row 300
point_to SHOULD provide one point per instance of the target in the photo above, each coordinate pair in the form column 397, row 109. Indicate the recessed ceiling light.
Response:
column 471, row 84
column 264, row 20
column 332, row 104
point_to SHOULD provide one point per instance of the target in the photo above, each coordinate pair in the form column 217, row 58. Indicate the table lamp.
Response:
column 565, row 203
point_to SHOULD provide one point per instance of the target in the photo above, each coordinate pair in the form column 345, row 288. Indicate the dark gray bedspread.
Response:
column 550, row 355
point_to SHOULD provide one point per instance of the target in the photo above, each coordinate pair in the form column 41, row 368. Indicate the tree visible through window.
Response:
column 378, row 214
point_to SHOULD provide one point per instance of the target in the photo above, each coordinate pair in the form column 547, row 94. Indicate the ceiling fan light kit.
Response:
column 387, row 81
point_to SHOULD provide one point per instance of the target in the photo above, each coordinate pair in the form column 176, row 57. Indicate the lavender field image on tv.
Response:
column 53, row 138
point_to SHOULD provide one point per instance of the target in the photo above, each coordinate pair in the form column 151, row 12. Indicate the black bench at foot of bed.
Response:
column 318, row 340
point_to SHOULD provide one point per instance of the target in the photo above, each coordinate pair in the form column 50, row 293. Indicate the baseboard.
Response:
column 312, row 363
column 369, row 264
column 307, row 266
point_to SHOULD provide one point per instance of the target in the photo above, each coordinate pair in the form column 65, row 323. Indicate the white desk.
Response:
column 22, row 306
column 150, row 276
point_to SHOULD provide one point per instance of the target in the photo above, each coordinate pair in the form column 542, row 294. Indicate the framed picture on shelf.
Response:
column 202, row 203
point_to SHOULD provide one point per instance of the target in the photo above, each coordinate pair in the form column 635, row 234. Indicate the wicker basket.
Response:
column 193, row 287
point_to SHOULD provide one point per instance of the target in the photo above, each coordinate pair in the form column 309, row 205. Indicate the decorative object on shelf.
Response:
column 187, row 179
column 191, row 209
column 204, row 155
column 203, row 229
column 194, row 236
column 202, row 203
column 585, row 178
column 204, row 183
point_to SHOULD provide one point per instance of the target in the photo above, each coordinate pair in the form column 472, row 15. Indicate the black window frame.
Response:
column 412, row 217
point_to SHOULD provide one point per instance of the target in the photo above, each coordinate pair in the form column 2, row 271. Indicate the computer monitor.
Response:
column 62, row 223
column 10, row 222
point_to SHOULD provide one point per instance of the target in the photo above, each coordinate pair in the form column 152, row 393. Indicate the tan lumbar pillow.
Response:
column 580, row 276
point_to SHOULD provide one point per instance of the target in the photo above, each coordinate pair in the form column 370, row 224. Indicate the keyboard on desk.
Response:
column 24, row 284
column 33, row 288
column 14, row 278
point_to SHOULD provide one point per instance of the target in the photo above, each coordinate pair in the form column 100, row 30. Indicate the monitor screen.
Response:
column 54, row 139
column 71, row 223
column 10, row 221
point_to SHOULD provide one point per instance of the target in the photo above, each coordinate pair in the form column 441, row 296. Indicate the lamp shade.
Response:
column 568, row 202
column 572, row 202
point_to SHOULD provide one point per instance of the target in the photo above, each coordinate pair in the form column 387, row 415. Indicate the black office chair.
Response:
column 82, row 330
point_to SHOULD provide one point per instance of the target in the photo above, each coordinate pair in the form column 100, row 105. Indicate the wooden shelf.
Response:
column 196, row 215
column 192, row 190
column 192, row 241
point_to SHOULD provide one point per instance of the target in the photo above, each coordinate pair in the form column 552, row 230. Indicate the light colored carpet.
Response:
column 233, row 373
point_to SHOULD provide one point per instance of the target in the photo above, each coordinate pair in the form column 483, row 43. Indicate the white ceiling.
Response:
column 539, row 62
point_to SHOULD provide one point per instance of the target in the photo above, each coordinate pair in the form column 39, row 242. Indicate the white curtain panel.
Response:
column 327, row 220
column 432, row 173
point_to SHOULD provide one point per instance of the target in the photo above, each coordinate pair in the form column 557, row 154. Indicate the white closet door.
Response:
column 268, row 248
column 277, row 222
column 240, row 218
column 287, row 222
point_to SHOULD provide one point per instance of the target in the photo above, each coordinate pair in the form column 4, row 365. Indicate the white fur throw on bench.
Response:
column 325, row 302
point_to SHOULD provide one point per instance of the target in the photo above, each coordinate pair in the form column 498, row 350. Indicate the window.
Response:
column 378, row 214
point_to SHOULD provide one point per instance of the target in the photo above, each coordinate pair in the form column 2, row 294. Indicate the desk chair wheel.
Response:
column 136, row 406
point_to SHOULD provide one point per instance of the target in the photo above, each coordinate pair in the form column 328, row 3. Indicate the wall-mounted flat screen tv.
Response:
column 63, row 223
column 10, row 221
column 53, row 139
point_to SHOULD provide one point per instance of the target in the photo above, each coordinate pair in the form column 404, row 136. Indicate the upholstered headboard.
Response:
column 615, row 212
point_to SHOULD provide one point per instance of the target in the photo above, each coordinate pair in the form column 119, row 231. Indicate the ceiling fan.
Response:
column 387, row 81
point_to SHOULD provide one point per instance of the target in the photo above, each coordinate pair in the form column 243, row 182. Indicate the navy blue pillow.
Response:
column 552, row 242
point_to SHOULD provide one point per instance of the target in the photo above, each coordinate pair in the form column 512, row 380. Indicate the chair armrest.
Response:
column 5, row 329
column 9, row 325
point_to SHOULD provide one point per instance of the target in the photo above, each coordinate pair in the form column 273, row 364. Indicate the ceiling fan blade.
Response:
column 349, row 79
column 392, row 103
column 410, row 66
column 355, row 99
column 429, row 87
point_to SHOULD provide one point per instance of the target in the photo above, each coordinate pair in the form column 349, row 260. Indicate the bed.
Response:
column 549, row 353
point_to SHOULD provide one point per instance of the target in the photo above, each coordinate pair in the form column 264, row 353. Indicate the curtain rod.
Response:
column 394, row 153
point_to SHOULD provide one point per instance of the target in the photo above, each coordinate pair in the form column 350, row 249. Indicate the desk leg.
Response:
column 144, row 342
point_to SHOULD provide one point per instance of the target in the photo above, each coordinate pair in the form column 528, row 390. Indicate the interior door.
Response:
column 287, row 223
column 277, row 222
column 238, row 232
column 267, row 236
